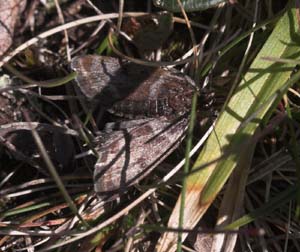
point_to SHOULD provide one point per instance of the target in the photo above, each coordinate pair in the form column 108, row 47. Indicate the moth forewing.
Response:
column 93, row 73
column 134, row 153
column 107, row 79
column 163, row 93
column 131, row 90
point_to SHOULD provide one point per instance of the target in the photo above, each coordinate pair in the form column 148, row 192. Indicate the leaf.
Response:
column 149, row 32
column 252, row 99
column 232, row 202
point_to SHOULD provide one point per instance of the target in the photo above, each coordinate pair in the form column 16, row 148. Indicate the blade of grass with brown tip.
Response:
column 261, row 87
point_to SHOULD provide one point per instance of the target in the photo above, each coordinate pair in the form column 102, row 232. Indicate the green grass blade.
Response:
column 274, row 203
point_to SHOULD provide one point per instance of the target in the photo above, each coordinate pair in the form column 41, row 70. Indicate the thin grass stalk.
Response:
column 186, row 167
column 54, row 173
column 45, row 84
column 191, row 126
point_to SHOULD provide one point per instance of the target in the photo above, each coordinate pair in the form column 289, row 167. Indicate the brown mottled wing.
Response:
column 133, row 153
column 94, row 73
column 163, row 93
column 131, row 90
column 107, row 79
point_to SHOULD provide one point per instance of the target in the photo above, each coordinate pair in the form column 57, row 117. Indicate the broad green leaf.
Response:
column 260, row 89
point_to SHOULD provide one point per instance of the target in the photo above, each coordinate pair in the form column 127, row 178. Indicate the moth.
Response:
column 156, row 99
